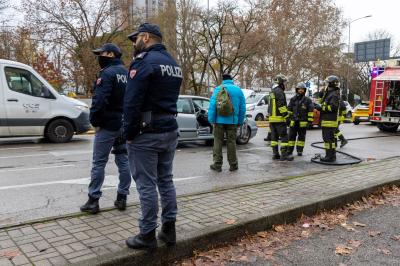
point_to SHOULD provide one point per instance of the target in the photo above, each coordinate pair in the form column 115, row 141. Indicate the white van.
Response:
column 257, row 106
column 30, row 106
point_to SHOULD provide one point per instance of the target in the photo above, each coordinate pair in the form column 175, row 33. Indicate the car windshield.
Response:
column 254, row 98
column 362, row 106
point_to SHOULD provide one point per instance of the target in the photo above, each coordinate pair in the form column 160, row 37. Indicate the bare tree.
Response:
column 75, row 27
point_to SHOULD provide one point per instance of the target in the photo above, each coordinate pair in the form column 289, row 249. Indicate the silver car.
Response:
column 193, row 121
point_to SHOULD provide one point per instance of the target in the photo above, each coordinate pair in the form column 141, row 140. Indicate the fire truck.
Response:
column 384, row 105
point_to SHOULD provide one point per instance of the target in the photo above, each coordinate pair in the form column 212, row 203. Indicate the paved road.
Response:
column 41, row 179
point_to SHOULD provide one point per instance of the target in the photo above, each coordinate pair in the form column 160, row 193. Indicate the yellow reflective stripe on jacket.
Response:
column 274, row 143
column 283, row 109
column 310, row 114
column 276, row 119
column 326, row 123
column 303, row 124
column 291, row 143
column 292, row 123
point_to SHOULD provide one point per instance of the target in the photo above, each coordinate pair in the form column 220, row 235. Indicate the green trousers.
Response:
column 219, row 131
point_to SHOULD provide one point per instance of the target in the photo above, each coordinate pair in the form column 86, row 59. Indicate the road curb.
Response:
column 217, row 235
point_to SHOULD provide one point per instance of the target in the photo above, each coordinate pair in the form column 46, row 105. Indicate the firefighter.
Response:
column 330, row 104
column 301, row 109
column 278, row 114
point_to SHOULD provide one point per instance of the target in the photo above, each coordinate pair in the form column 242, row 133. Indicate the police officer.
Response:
column 278, row 114
column 330, row 104
column 151, row 130
column 106, row 117
column 301, row 111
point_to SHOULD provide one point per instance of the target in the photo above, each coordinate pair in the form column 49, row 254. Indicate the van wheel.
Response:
column 59, row 131
column 259, row 117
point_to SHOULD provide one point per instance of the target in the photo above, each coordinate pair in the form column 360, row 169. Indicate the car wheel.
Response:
column 244, row 138
column 59, row 131
column 356, row 122
column 387, row 127
column 259, row 117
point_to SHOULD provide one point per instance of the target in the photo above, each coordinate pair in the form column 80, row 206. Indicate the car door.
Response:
column 4, row 132
column 27, row 102
column 186, row 119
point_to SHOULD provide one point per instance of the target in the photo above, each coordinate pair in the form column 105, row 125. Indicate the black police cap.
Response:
column 145, row 27
column 108, row 47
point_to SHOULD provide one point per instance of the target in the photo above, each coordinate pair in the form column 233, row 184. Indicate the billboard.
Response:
column 372, row 50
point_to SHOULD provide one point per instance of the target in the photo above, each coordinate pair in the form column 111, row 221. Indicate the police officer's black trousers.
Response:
column 328, row 135
column 299, row 133
column 279, row 131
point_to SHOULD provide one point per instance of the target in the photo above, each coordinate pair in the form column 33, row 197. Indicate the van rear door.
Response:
column 27, row 101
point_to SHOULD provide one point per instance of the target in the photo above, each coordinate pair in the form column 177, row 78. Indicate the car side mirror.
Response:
column 261, row 103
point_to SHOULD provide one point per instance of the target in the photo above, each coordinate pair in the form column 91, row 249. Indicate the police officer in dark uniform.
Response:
column 301, row 109
column 151, row 130
column 330, row 104
column 106, row 117
column 278, row 114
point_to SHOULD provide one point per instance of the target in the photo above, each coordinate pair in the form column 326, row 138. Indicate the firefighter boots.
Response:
column 343, row 141
column 275, row 151
column 330, row 156
column 286, row 156
column 91, row 206
column 168, row 233
column 143, row 241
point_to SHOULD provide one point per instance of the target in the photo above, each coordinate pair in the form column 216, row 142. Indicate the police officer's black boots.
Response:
column 275, row 151
column 120, row 202
column 168, row 233
column 143, row 241
column 286, row 156
column 91, row 206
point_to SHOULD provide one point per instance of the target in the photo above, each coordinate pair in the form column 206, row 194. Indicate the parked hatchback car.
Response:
column 361, row 113
column 193, row 121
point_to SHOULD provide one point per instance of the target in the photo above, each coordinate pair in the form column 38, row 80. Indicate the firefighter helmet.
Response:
column 301, row 85
column 332, row 81
column 280, row 79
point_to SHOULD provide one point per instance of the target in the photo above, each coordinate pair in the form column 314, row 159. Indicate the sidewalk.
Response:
column 204, row 219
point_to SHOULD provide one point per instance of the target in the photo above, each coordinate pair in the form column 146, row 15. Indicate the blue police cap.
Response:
column 145, row 27
column 108, row 47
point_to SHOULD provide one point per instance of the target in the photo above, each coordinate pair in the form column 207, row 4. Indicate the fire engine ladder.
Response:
column 378, row 101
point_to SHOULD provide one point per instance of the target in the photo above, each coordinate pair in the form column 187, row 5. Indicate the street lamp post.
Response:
column 349, row 58
column 208, row 48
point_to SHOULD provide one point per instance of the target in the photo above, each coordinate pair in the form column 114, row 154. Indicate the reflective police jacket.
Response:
column 277, row 107
column 154, row 82
column 108, row 96
column 330, row 104
column 301, row 109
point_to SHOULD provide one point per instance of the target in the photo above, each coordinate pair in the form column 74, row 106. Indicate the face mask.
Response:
column 104, row 61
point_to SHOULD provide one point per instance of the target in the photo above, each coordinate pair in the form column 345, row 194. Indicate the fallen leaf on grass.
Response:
column 263, row 234
column 10, row 254
column 342, row 216
column 279, row 228
column 364, row 200
column 347, row 227
column 384, row 251
column 359, row 224
column 397, row 238
column 355, row 243
column 379, row 202
column 373, row 233
column 231, row 221
column 343, row 250
column 306, row 225
column 305, row 233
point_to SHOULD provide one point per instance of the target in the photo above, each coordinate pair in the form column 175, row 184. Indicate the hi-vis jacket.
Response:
column 277, row 108
column 301, row 109
column 330, row 104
